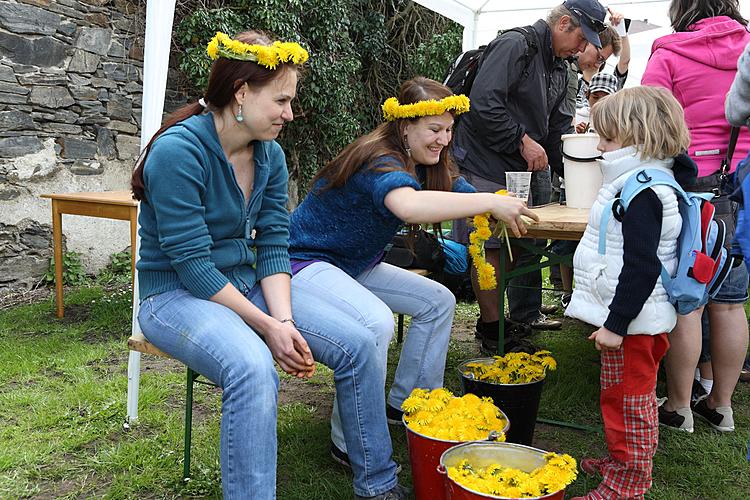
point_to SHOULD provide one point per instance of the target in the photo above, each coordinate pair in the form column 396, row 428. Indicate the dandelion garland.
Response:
column 441, row 415
column 392, row 110
column 513, row 368
column 269, row 56
column 496, row 479
column 477, row 239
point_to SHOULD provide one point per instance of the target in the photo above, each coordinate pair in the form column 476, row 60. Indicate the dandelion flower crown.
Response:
column 268, row 56
column 392, row 110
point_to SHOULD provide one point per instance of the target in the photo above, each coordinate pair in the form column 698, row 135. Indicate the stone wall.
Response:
column 70, row 108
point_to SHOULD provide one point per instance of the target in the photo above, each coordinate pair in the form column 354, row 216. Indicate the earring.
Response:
column 239, row 116
column 406, row 147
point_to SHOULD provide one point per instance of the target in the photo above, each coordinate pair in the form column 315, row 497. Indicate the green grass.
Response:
column 62, row 394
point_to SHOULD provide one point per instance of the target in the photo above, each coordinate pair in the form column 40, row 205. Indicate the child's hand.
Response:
column 606, row 340
column 582, row 128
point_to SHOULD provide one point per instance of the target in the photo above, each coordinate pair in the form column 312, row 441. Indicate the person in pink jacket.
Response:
column 697, row 64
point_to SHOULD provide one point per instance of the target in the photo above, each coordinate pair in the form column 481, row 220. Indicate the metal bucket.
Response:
column 482, row 454
column 424, row 456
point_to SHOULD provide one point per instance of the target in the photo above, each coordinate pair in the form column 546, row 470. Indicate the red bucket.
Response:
column 424, row 455
column 484, row 453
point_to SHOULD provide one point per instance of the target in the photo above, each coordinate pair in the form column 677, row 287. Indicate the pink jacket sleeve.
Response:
column 658, row 72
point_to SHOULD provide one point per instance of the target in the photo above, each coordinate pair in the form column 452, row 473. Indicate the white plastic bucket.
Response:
column 583, row 177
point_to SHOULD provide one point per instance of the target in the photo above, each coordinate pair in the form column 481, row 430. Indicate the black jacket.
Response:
column 511, row 98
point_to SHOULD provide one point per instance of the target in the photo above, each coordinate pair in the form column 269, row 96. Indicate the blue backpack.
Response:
column 702, row 261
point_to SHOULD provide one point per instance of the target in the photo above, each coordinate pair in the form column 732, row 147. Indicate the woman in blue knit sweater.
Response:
column 399, row 174
column 214, row 271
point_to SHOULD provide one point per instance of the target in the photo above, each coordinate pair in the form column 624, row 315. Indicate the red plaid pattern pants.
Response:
column 629, row 411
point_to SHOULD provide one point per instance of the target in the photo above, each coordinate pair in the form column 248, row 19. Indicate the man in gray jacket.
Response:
column 515, row 124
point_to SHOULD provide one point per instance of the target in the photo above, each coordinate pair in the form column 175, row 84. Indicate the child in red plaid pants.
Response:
column 618, row 287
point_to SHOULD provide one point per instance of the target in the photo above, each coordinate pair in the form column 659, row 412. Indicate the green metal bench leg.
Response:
column 191, row 376
column 400, row 330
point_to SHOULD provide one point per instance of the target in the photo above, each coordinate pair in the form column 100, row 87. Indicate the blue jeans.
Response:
column 188, row 328
column 371, row 300
column 214, row 341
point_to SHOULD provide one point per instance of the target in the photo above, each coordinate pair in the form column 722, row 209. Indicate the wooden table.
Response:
column 557, row 222
column 118, row 205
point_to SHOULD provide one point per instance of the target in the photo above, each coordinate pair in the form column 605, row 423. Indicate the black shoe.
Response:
column 745, row 373
column 697, row 393
column 565, row 300
column 720, row 418
column 486, row 329
column 342, row 458
column 680, row 419
column 398, row 492
column 393, row 415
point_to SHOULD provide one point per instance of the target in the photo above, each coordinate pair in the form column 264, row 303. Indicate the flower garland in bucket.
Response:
column 439, row 414
column 513, row 368
column 496, row 479
column 477, row 239
column 268, row 56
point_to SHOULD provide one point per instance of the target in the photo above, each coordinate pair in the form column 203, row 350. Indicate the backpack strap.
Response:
column 634, row 185
column 529, row 34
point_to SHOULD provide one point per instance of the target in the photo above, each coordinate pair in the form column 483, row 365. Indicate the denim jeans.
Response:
column 214, row 341
column 340, row 339
column 371, row 300
column 248, row 426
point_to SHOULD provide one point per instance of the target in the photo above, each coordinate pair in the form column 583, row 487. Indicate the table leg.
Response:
column 133, row 236
column 501, row 282
column 58, row 252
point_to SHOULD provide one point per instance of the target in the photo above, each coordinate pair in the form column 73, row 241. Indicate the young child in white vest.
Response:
column 620, row 293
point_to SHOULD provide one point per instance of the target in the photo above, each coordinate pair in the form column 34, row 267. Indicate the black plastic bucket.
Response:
column 520, row 402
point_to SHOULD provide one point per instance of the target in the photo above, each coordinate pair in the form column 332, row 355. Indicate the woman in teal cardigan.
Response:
column 214, row 269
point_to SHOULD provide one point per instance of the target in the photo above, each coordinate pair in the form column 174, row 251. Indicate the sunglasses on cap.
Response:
column 593, row 22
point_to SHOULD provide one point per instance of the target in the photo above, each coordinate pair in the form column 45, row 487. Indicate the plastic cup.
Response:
column 519, row 183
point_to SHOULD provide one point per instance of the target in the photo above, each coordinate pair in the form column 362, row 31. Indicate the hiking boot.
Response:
column 680, row 419
column 720, row 418
column 548, row 308
column 342, row 458
column 512, row 344
column 593, row 466
column 393, row 415
column 485, row 328
column 542, row 322
column 398, row 492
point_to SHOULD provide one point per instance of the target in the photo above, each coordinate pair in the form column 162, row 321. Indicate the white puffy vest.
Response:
column 596, row 275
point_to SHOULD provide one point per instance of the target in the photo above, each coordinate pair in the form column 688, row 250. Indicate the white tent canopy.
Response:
column 482, row 19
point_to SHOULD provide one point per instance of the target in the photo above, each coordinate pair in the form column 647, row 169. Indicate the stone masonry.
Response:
column 70, row 108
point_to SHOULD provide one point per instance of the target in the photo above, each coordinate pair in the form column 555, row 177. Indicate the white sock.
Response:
column 697, row 374
column 707, row 384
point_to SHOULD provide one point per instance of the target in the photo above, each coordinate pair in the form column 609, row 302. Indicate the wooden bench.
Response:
column 137, row 342
column 400, row 328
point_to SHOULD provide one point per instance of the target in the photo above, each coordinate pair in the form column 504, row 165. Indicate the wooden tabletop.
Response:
column 559, row 222
column 106, row 197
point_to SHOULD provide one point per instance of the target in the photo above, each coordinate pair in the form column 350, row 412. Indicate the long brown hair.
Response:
column 387, row 139
column 685, row 13
column 225, row 78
